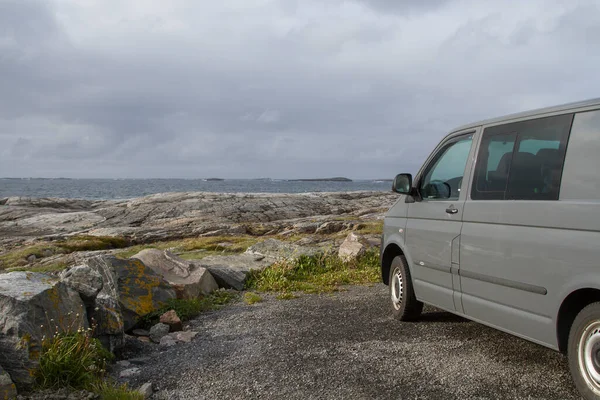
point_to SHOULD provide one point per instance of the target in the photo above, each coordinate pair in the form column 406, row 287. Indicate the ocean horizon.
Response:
column 125, row 188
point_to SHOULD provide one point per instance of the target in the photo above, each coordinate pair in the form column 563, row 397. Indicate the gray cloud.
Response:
column 280, row 88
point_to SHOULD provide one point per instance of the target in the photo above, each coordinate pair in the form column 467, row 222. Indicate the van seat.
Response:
column 525, row 176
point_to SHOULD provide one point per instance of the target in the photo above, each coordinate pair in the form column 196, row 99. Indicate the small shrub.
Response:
column 316, row 274
column 74, row 360
column 252, row 298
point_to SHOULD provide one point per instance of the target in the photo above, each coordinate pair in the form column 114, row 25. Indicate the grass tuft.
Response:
column 74, row 360
column 286, row 296
column 187, row 309
column 109, row 391
column 316, row 274
column 371, row 228
column 252, row 298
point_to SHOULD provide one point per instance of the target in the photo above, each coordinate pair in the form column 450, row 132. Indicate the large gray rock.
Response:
column 33, row 306
column 277, row 250
column 8, row 390
column 188, row 279
column 137, row 289
column 231, row 271
column 353, row 247
column 84, row 280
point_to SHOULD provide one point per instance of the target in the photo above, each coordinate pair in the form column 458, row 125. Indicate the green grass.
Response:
column 286, row 296
column 316, row 274
column 372, row 228
column 42, row 268
column 110, row 391
column 17, row 257
column 187, row 309
column 77, row 361
column 252, row 298
column 73, row 360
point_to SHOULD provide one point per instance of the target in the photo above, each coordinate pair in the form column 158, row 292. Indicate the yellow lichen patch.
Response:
column 136, row 290
column 54, row 297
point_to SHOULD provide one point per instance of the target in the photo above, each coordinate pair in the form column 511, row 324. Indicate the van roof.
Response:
column 539, row 111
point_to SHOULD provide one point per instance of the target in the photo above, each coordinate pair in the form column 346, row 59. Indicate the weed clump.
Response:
column 286, row 296
column 74, row 360
column 316, row 274
column 252, row 298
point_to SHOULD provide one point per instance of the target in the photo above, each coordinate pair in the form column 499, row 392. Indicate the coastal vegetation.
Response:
column 252, row 298
column 77, row 361
column 23, row 257
column 316, row 274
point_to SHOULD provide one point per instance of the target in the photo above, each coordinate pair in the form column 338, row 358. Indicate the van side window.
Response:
column 443, row 176
column 522, row 160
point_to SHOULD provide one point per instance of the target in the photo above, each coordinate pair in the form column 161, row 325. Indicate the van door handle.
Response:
column 451, row 210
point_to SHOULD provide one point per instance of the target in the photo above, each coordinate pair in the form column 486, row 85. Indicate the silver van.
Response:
column 501, row 225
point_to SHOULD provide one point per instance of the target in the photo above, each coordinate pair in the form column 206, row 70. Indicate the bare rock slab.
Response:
column 188, row 279
column 33, row 305
column 8, row 390
column 231, row 271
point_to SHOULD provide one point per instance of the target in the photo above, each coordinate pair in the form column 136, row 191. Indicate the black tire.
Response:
column 586, row 330
column 405, row 306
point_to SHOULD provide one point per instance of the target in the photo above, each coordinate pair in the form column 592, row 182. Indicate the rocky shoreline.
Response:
column 176, row 215
column 113, row 293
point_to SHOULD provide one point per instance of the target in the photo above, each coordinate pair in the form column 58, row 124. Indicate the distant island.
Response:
column 214, row 179
column 336, row 179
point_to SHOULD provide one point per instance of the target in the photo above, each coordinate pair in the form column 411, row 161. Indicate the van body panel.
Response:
column 429, row 242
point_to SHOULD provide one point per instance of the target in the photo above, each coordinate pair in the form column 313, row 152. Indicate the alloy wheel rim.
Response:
column 397, row 288
column 589, row 356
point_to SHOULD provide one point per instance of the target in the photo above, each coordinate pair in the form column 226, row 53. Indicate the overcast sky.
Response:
column 274, row 88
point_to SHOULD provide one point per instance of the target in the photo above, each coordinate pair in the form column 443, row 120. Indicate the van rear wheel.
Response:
column 405, row 306
column 584, row 351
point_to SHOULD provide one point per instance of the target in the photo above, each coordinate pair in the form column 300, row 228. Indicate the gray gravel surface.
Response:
column 347, row 346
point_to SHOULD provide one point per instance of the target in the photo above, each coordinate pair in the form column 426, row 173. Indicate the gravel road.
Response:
column 346, row 346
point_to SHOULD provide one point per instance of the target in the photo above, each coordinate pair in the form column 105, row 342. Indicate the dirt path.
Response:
column 346, row 346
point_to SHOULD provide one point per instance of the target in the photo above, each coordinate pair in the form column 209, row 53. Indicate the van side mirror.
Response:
column 402, row 184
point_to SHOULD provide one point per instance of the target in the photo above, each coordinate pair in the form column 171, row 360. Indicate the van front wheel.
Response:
column 405, row 306
column 584, row 352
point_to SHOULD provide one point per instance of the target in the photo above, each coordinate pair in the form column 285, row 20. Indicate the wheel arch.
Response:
column 576, row 301
column 392, row 250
